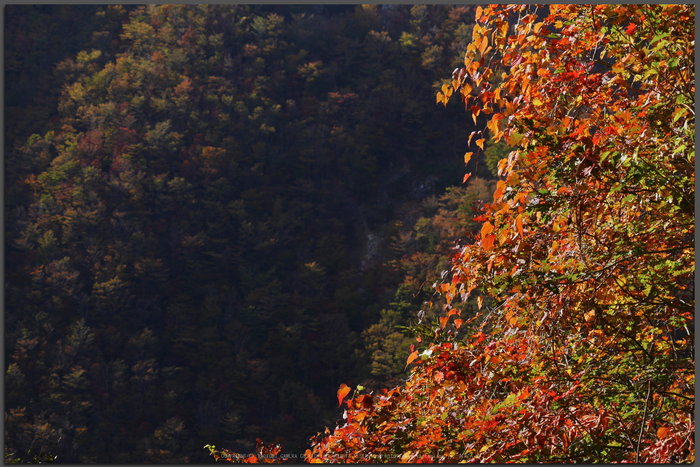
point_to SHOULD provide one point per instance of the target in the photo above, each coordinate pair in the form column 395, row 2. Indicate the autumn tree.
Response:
column 587, row 354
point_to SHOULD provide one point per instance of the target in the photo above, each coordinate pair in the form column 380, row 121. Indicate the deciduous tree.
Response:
column 587, row 250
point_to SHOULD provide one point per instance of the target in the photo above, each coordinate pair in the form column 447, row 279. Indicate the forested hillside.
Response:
column 215, row 215
column 252, row 227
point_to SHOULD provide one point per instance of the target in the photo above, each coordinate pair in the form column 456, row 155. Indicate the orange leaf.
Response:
column 480, row 142
column 486, row 229
column 466, row 177
column 662, row 432
column 500, row 188
column 439, row 376
column 458, row 323
column 342, row 392
column 443, row 321
column 465, row 90
column 480, row 301
column 479, row 11
column 411, row 357
column 467, row 157
column 519, row 225
column 484, row 44
column 458, row 76
column 487, row 242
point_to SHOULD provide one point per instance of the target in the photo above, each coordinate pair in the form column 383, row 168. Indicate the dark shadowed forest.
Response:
column 215, row 215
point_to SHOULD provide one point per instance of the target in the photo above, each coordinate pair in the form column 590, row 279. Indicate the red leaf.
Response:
column 631, row 28
column 366, row 401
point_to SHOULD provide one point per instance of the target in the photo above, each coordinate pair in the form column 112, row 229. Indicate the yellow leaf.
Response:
column 502, row 236
column 480, row 142
column 406, row 456
column 467, row 157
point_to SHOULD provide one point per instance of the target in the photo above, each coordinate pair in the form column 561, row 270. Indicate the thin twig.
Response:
column 641, row 429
